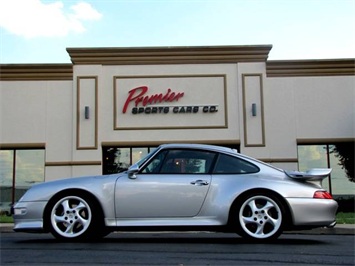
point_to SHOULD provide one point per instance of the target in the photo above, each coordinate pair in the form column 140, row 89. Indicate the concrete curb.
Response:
column 339, row 229
column 6, row 227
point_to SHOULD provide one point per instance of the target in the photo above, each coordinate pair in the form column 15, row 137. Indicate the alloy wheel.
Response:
column 71, row 217
column 260, row 217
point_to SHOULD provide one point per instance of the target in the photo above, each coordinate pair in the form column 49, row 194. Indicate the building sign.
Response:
column 139, row 96
column 150, row 102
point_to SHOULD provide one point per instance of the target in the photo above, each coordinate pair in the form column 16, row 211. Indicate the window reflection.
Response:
column 6, row 167
column 319, row 156
column 313, row 156
column 138, row 154
column 19, row 170
column 118, row 159
column 29, row 170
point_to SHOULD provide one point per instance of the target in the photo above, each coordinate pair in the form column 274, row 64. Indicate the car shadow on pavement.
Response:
column 157, row 239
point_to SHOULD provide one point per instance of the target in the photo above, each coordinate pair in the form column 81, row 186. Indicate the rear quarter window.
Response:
column 232, row 165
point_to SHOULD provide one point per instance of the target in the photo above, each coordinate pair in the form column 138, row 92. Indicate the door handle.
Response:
column 199, row 183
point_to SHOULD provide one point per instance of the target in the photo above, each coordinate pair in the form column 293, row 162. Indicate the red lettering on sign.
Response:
column 137, row 95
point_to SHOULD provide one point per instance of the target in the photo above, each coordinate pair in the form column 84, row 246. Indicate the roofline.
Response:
column 318, row 67
column 179, row 55
column 169, row 55
column 36, row 72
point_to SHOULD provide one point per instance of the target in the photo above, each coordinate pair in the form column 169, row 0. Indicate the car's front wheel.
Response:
column 72, row 217
column 260, row 217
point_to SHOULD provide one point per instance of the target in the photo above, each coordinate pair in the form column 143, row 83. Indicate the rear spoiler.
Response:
column 316, row 174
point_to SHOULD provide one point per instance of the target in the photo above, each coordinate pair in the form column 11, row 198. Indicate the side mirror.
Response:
column 132, row 171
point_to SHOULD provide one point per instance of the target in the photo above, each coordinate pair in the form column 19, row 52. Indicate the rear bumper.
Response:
column 313, row 212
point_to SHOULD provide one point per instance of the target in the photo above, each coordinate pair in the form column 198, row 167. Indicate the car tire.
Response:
column 74, row 217
column 259, row 216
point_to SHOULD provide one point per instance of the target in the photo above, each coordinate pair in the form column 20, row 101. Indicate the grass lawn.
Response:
column 342, row 218
column 6, row 219
column 346, row 218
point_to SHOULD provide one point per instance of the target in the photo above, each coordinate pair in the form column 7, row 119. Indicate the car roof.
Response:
column 199, row 146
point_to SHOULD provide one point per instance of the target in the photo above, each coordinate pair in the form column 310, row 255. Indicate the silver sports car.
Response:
column 181, row 187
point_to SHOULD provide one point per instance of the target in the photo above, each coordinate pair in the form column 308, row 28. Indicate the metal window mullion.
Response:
column 328, row 165
column 13, row 177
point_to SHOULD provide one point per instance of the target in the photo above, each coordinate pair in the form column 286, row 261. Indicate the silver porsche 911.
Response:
column 181, row 187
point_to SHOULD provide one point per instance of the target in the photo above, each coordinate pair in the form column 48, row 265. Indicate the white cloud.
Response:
column 32, row 18
column 85, row 11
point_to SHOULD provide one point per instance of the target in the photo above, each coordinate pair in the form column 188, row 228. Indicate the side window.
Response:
column 231, row 165
column 154, row 165
column 181, row 162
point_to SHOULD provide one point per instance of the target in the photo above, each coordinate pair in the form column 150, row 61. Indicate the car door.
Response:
column 172, row 184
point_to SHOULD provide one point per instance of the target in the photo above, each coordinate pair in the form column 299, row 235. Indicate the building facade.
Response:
column 111, row 106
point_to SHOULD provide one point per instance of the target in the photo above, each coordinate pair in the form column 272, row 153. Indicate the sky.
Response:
column 39, row 31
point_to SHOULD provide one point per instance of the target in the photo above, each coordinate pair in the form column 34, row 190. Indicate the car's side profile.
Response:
column 181, row 187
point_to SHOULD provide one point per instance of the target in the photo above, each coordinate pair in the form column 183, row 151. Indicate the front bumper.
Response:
column 29, row 226
column 28, row 216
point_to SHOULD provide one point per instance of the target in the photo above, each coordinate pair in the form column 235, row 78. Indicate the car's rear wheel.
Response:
column 72, row 217
column 260, row 216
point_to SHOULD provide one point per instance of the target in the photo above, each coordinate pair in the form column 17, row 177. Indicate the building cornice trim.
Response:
column 5, row 146
column 73, row 163
column 313, row 67
column 318, row 141
column 169, row 55
column 20, row 72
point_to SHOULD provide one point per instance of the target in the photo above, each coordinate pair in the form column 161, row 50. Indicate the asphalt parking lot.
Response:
column 339, row 229
column 315, row 247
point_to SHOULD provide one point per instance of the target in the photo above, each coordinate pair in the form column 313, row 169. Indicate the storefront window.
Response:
column 313, row 156
column 19, row 170
column 6, row 170
column 116, row 159
column 138, row 154
column 319, row 156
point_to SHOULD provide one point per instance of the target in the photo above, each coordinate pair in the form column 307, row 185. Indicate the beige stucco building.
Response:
column 68, row 117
